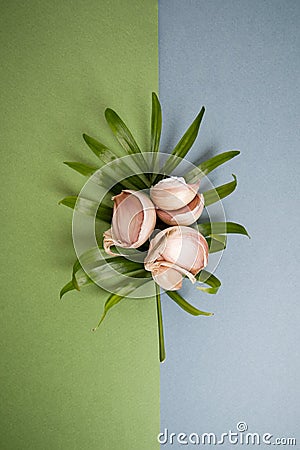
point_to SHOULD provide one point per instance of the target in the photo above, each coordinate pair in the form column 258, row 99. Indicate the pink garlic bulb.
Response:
column 173, row 193
column 176, row 252
column 183, row 216
column 133, row 221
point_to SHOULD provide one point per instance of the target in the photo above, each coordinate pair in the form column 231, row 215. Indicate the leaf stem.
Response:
column 162, row 351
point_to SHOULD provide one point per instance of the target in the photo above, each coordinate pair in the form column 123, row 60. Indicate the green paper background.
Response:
column 63, row 387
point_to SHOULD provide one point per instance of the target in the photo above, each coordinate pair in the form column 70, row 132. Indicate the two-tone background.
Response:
column 62, row 64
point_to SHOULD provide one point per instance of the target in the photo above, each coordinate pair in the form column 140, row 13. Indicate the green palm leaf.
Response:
column 156, row 123
column 67, row 288
column 121, row 132
column 214, row 228
column 83, row 169
column 134, row 182
column 103, row 267
column 95, row 256
column 211, row 280
column 208, row 166
column 85, row 206
column 185, row 305
column 123, row 171
column 112, row 300
column 217, row 243
column 101, row 151
column 105, row 155
column 184, row 144
column 162, row 351
column 216, row 194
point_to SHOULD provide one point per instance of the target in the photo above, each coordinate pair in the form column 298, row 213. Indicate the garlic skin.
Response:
column 183, row 216
column 174, row 252
column 167, row 278
column 134, row 218
column 173, row 193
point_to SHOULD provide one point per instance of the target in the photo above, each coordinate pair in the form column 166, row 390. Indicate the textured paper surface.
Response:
column 63, row 387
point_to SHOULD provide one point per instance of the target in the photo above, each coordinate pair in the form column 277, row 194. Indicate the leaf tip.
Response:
column 108, row 112
column 100, row 321
column 201, row 113
column 246, row 232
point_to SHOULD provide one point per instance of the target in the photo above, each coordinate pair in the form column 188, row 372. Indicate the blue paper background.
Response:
column 241, row 60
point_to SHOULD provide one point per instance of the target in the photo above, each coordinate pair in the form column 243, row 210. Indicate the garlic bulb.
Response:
column 174, row 252
column 133, row 221
column 173, row 193
column 183, row 216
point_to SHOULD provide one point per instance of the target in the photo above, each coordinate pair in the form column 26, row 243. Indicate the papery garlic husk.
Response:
column 133, row 221
column 176, row 252
column 183, row 216
column 173, row 193
column 167, row 278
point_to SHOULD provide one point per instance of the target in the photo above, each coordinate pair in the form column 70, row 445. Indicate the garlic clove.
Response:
column 168, row 278
column 156, row 248
column 108, row 242
column 133, row 221
column 179, row 248
column 173, row 193
column 183, row 216
column 127, row 218
column 187, row 248
column 149, row 221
